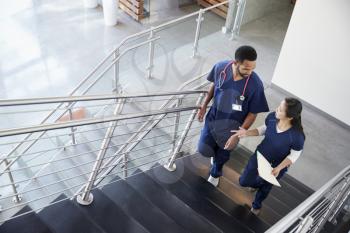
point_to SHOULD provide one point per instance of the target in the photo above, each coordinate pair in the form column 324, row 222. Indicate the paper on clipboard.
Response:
column 265, row 169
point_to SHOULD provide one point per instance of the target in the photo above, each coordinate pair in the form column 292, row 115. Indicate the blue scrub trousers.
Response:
column 250, row 178
column 208, row 147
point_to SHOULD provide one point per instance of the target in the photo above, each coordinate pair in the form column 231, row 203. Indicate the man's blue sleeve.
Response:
column 258, row 103
column 211, row 76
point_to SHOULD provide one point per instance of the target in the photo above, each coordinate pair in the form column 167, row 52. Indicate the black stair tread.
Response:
column 243, row 160
column 170, row 204
column 65, row 217
column 277, row 205
column 289, row 188
column 285, row 197
column 172, row 182
column 28, row 223
column 133, row 204
column 235, row 164
column 300, row 186
column 109, row 216
column 241, row 213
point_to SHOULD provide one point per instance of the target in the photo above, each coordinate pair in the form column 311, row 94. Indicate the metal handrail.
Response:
column 76, row 132
column 69, row 99
column 82, row 164
column 299, row 211
column 72, row 100
column 75, row 156
column 75, row 123
column 42, row 100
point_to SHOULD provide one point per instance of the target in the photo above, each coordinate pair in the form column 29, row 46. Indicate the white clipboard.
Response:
column 265, row 169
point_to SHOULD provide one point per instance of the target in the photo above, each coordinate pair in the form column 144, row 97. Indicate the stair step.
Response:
column 286, row 197
column 65, row 217
column 109, row 216
column 170, row 205
column 172, row 182
column 300, row 186
column 28, row 223
column 241, row 213
column 133, row 204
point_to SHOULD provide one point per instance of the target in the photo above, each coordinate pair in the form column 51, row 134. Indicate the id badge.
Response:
column 237, row 107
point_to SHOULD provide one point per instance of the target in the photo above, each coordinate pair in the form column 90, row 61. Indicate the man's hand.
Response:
column 201, row 113
column 276, row 171
column 231, row 142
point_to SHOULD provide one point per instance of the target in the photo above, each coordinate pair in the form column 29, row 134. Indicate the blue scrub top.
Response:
column 222, row 118
column 276, row 146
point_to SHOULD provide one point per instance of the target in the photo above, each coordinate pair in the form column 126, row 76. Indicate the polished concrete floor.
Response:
column 47, row 47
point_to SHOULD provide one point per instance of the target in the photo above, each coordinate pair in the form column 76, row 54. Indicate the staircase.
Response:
column 161, row 201
column 151, row 199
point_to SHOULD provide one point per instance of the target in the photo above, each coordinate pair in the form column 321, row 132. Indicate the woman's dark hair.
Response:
column 294, row 108
column 245, row 53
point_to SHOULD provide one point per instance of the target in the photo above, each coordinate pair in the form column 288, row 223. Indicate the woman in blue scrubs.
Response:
column 282, row 146
column 238, row 95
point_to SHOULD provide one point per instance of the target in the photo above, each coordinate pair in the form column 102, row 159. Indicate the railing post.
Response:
column 230, row 17
column 305, row 225
column 116, row 70
column 150, row 55
column 86, row 197
column 238, row 19
column 176, row 126
column 198, row 32
column 171, row 164
column 17, row 198
column 70, row 112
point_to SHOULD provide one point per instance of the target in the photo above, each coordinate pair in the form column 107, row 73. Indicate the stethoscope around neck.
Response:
column 223, row 76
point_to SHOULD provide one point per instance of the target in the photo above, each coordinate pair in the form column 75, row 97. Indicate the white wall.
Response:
column 314, row 62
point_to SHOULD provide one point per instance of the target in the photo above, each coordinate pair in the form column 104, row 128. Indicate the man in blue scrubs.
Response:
column 238, row 95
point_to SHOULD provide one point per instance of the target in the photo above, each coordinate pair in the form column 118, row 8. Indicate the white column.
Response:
column 110, row 11
column 90, row 3
column 232, row 6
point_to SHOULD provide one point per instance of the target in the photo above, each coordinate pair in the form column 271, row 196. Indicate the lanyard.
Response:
column 222, row 79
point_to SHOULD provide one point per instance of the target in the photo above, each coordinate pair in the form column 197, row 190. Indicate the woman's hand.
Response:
column 231, row 142
column 201, row 113
column 240, row 133
column 276, row 171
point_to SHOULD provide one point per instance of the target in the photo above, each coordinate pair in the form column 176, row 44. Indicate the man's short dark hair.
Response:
column 245, row 52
